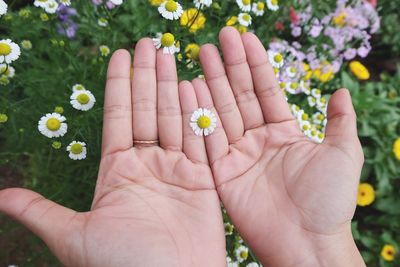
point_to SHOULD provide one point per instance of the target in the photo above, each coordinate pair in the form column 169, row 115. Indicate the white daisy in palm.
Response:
column 167, row 41
column 244, row 19
column 316, row 93
column 170, row 10
column 312, row 101
column 318, row 118
column 292, row 87
column 253, row 264
column 77, row 150
column 244, row 5
column 291, row 71
column 3, row 7
column 305, row 126
column 231, row 263
column 41, row 3
column 273, row 5
column 7, row 70
column 52, row 125
column 65, row 2
column 203, row 122
column 78, row 87
column 9, row 51
column 202, row 3
column 275, row 58
column 82, row 100
column 258, row 8
column 242, row 253
column 51, row 6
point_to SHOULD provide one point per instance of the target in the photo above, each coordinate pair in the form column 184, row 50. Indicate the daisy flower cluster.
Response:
column 348, row 28
column 54, row 125
column 291, row 72
column 51, row 6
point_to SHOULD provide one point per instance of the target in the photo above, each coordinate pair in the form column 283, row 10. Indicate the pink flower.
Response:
column 293, row 16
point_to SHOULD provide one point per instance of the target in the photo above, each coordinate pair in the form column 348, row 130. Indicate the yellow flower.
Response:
column 326, row 76
column 366, row 194
column 340, row 20
column 192, row 51
column 241, row 29
column 3, row 118
column 388, row 252
column 359, row 70
column 189, row 15
column 396, row 148
column 231, row 21
column 156, row 2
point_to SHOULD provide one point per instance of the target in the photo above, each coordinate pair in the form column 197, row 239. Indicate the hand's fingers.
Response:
column 50, row 221
column 239, row 76
column 193, row 145
column 144, row 92
column 221, row 92
column 217, row 142
column 274, row 105
column 168, row 107
column 341, row 130
column 117, row 124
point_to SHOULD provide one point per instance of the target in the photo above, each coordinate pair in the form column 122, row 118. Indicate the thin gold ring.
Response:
column 144, row 142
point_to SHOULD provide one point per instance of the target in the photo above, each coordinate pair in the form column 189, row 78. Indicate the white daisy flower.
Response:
column 244, row 19
column 305, row 126
column 7, row 70
column 253, row 264
column 292, row 87
column 258, row 8
column 228, row 228
column 3, row 7
column 9, row 51
column 82, row 100
column 312, row 101
column 275, row 58
column 318, row 118
column 78, row 87
column 51, row 6
column 170, row 10
column 242, row 253
column 104, row 50
column 321, row 103
column 316, row 136
column 203, row 122
column 77, row 150
column 117, row 2
column 103, row 22
column 41, row 3
column 295, row 109
column 244, row 5
column 52, row 125
column 316, row 93
column 305, row 88
column 65, row 2
column 167, row 41
column 202, row 3
column 291, row 71
column 231, row 263
column 272, row 5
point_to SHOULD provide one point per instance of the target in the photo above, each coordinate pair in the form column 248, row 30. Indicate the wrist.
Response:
column 336, row 250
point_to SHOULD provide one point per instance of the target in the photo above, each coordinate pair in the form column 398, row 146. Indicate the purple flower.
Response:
column 296, row 31
column 350, row 53
column 64, row 12
column 316, row 30
column 97, row 2
column 110, row 5
column 363, row 51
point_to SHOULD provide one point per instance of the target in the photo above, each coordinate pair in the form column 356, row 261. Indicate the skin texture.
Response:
column 153, row 205
column 292, row 200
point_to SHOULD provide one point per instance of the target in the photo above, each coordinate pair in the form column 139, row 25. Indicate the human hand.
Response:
column 153, row 205
column 292, row 200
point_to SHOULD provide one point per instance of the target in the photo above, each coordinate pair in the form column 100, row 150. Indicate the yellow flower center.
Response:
column 294, row 85
column 260, row 6
column 244, row 254
column 246, row 17
column 321, row 135
column 171, row 6
column 320, row 117
column 53, row 124
column 282, row 85
column 203, row 122
column 167, row 39
column 305, row 116
column 5, row 49
column 278, row 58
column 274, row 2
column 83, row 99
column 292, row 69
column 246, row 2
column 306, row 127
column 76, row 148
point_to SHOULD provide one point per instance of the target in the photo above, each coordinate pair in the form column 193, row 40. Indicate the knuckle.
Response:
column 116, row 111
column 226, row 108
column 144, row 104
column 269, row 91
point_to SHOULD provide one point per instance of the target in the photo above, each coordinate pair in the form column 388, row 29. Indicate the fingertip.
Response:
column 340, row 103
column 207, row 50
column 120, row 63
column 227, row 33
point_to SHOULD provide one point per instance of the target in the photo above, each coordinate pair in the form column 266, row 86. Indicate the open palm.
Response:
column 153, row 205
column 288, row 197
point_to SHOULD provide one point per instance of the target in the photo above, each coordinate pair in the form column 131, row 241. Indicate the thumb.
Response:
column 43, row 217
column 341, row 129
